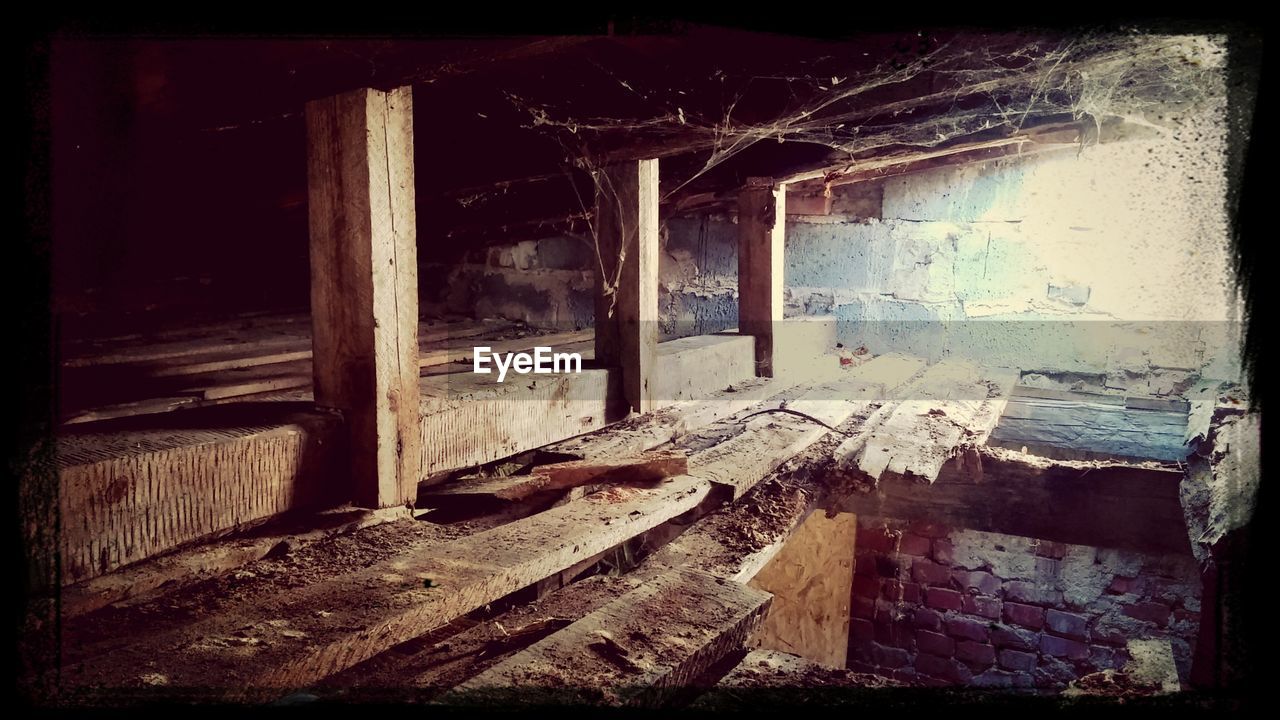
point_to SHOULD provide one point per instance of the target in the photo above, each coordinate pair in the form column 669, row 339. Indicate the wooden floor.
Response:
column 618, row 591
column 182, row 435
column 263, row 357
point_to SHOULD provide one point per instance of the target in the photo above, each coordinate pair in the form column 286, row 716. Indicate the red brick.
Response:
column 1066, row 624
column 1015, row 660
column 1047, row 567
column 1149, row 611
column 866, row 586
column 975, row 654
column 968, row 629
column 942, row 668
column 889, row 657
column 1012, row 637
column 1123, row 585
column 1027, row 616
column 864, row 563
column 863, row 607
column 934, row 643
column 862, row 630
column 1185, row 616
column 943, row 599
column 875, row 539
column 943, row 552
column 929, row 573
column 896, row 590
column 984, row 582
column 987, row 607
column 1063, row 647
column 926, row 618
column 911, row 593
column 895, row 634
column 913, row 544
column 1102, row 658
column 890, row 567
column 891, row 590
column 1031, row 593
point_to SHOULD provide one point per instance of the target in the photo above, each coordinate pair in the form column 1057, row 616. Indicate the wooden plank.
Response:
column 1056, row 412
column 769, row 440
column 761, row 233
column 189, row 565
column 562, row 476
column 627, row 240
column 955, row 404
column 213, row 362
column 1102, row 504
column 811, row 580
column 463, row 353
column 636, row 650
column 290, row 645
column 1026, row 391
column 247, row 341
column 364, row 286
column 636, row 435
column 469, row 420
column 125, row 495
column 1098, row 441
column 131, row 409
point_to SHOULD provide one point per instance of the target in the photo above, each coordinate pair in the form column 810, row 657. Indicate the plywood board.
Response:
column 810, row 580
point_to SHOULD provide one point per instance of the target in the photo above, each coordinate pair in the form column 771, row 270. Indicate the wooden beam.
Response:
column 364, row 283
column 388, row 603
column 129, row 493
column 762, row 216
column 649, row 467
column 1103, row 504
column 627, row 276
column 635, row 650
column 954, row 405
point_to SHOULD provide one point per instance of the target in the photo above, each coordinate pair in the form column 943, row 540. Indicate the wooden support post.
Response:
column 627, row 291
column 762, row 214
column 364, row 284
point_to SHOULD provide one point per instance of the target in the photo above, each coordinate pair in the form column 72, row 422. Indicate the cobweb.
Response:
column 970, row 89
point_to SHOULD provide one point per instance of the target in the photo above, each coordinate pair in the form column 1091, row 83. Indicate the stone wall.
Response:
column 958, row 607
column 1107, row 267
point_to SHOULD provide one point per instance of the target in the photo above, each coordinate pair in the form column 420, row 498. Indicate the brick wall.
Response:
column 961, row 607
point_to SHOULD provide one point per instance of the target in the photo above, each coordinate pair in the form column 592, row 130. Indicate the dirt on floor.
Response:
column 265, row 583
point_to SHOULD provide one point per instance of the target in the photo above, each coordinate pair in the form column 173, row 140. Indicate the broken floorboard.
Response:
column 644, row 432
column 388, row 603
column 563, row 476
column 770, row 439
column 955, row 404
column 635, row 650
column 139, row 582
column 736, row 542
